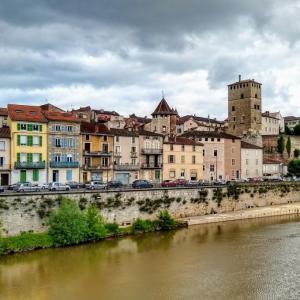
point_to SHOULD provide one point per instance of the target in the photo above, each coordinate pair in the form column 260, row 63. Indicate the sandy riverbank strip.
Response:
column 252, row 213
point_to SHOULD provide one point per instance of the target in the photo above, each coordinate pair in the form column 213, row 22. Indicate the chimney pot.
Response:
column 240, row 78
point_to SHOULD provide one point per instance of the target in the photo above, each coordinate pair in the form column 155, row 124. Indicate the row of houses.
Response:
column 43, row 144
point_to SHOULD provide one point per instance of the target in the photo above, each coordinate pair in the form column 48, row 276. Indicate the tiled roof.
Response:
column 199, row 119
column 58, row 116
column 271, row 161
column 123, row 132
column 148, row 133
column 269, row 115
column 94, row 128
column 27, row 113
column 143, row 120
column 209, row 134
column 5, row 132
column 3, row 111
column 245, row 145
column 51, row 107
column 105, row 112
column 163, row 108
column 182, row 141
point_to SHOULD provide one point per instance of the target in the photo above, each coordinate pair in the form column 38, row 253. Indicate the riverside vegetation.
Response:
column 69, row 225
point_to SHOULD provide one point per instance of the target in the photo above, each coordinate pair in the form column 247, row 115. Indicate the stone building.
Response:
column 221, row 154
column 3, row 117
column 97, row 152
column 5, row 166
column 291, row 122
column 126, row 160
column 64, row 146
column 151, row 159
column 182, row 158
column 270, row 124
column 244, row 108
column 251, row 161
column 163, row 120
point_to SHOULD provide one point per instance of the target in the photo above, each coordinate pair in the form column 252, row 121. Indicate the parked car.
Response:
column 220, row 182
column 204, row 182
column 113, row 184
column 28, row 187
column 255, row 179
column 193, row 183
column 181, row 182
column 15, row 186
column 1, row 189
column 95, row 185
column 45, row 186
column 168, row 183
column 142, row 184
column 75, row 185
column 56, row 186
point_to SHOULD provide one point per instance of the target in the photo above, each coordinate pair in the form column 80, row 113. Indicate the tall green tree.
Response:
column 287, row 130
column 289, row 146
column 294, row 167
column 296, row 153
column 297, row 130
column 280, row 145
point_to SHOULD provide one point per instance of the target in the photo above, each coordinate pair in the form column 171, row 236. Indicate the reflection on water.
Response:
column 254, row 259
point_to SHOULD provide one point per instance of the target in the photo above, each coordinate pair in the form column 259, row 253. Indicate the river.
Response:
column 251, row 259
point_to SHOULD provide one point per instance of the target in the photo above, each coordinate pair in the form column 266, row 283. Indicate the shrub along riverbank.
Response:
column 68, row 225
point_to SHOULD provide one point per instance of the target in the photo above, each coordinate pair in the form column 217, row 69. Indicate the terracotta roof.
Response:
column 245, row 145
column 271, row 161
column 123, row 132
column 3, row 111
column 5, row 132
column 163, row 108
column 58, row 116
column 182, row 141
column 51, row 107
column 244, row 81
column 94, row 128
column 28, row 113
column 143, row 120
column 209, row 134
column 199, row 119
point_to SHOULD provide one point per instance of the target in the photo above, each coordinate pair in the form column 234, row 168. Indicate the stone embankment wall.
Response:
column 26, row 212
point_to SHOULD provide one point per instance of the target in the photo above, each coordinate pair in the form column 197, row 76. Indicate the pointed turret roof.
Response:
column 163, row 108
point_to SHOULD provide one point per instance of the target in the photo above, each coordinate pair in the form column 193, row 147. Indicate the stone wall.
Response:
column 20, row 213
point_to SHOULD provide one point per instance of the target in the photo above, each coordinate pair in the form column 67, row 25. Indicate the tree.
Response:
column 280, row 145
column 294, row 167
column 289, row 146
column 297, row 130
column 296, row 153
column 95, row 224
column 287, row 130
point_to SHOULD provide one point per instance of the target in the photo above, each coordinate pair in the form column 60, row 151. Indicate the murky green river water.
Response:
column 256, row 259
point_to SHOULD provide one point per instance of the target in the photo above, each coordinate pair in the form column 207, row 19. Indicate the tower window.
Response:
column 233, row 108
column 242, row 96
column 255, row 96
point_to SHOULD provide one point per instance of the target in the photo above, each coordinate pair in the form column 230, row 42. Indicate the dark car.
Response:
column 1, row 189
column 142, row 184
column 114, row 184
column 168, row 183
column 15, row 186
column 75, row 185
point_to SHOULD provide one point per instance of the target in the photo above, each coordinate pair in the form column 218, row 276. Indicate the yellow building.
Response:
column 28, row 128
column 182, row 158
column 97, row 148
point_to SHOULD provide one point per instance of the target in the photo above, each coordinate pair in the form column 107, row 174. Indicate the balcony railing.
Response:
column 126, row 167
column 101, row 167
column 117, row 154
column 30, row 165
column 64, row 164
column 133, row 154
column 97, row 153
column 151, row 151
column 151, row 166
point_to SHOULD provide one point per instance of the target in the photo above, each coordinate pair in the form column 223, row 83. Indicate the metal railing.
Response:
column 64, row 164
column 126, row 167
column 97, row 153
column 30, row 165
column 151, row 151
column 151, row 165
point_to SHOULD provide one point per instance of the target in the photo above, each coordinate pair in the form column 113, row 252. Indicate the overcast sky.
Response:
column 120, row 54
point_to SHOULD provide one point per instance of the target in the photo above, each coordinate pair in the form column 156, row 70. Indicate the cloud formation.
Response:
column 120, row 54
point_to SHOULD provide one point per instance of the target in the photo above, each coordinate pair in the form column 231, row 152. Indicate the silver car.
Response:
column 28, row 187
column 56, row 186
column 95, row 185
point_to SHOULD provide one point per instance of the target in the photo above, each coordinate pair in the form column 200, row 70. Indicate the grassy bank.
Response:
column 68, row 225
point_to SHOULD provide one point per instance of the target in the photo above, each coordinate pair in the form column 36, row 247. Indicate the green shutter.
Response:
column 41, row 127
column 22, row 176
column 40, row 157
column 19, row 126
column 18, row 140
column 35, row 175
column 29, row 140
column 41, row 140
column 29, row 127
column 18, row 157
column 29, row 157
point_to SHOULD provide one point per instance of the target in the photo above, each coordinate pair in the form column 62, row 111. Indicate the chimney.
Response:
column 240, row 78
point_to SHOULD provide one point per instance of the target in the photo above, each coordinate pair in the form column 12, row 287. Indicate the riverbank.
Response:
column 251, row 213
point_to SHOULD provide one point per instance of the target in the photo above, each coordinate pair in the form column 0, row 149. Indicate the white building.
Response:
column 291, row 122
column 269, row 124
column 273, row 168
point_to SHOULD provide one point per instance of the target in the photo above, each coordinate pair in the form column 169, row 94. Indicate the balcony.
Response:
column 126, row 167
column 151, row 166
column 94, row 168
column 64, row 164
column 133, row 154
column 97, row 153
column 30, row 165
column 117, row 154
column 152, row 151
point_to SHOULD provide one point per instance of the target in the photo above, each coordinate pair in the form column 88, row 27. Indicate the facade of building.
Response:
column 251, row 161
column 182, row 158
column 3, row 117
column 221, row 154
column 274, row 168
column 151, row 150
column 291, row 122
column 270, row 124
column 28, row 128
column 280, row 119
column 64, row 148
column 244, row 108
column 5, row 165
column 97, row 152
column 126, row 156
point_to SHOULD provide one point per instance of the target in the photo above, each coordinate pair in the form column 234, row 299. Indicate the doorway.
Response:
column 55, row 176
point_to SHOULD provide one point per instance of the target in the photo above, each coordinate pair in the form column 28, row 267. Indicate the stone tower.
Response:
column 244, row 108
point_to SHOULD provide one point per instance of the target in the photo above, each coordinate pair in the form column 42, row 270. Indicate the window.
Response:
column 212, row 168
column 233, row 108
column 133, row 149
column 117, row 139
column 233, row 140
column 171, row 159
column 219, row 139
column 36, row 157
column 69, row 175
column 233, row 162
column 105, row 148
column 2, row 145
column 182, row 147
column 117, row 149
column 171, row 147
column 69, row 158
column 182, row 173
column 105, row 138
column 69, row 128
column 87, row 137
column 36, row 140
column 23, row 140
column 206, row 139
column 105, row 161
column 182, row 159
column 23, row 126
column 194, row 148
column 247, row 161
column 242, row 96
column 164, row 128
column 203, row 152
column 256, row 161
column 133, row 140
column 193, row 159
column 35, row 127
column 57, row 128
column 58, row 143
column 172, row 174
column 215, row 152
column 1, row 161
column 212, row 139
column 133, row 161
